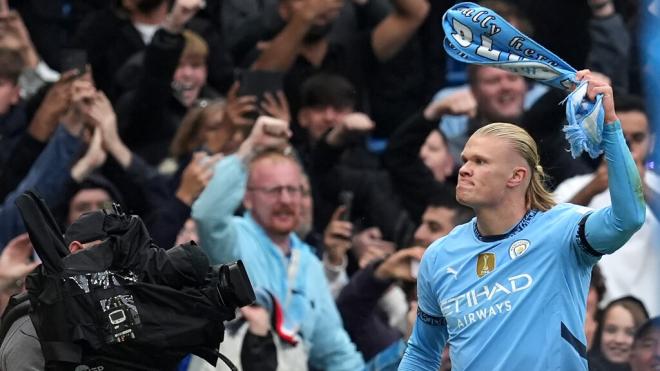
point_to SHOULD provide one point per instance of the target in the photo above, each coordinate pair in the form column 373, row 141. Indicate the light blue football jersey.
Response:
column 510, row 302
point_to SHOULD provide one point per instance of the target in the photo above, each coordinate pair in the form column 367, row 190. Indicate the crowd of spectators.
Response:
column 318, row 141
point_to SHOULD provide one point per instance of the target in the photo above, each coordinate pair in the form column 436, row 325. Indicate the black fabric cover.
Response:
column 124, row 304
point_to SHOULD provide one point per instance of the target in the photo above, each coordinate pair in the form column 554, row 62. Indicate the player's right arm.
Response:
column 429, row 334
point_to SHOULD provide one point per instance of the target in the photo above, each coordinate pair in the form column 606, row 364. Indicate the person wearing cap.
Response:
column 20, row 350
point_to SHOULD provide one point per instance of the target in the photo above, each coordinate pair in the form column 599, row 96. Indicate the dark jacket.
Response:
column 150, row 195
column 18, row 149
column 149, row 116
column 413, row 181
column 110, row 39
column 357, row 305
column 374, row 202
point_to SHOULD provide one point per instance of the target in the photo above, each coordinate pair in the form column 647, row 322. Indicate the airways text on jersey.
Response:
column 484, row 302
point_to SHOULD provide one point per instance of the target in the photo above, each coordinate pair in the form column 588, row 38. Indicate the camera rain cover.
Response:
column 124, row 303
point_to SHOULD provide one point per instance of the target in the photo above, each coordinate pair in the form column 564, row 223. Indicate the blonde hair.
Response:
column 275, row 156
column 189, row 137
column 536, row 196
column 195, row 46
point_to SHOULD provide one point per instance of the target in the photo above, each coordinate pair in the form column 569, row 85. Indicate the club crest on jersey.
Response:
column 485, row 263
column 518, row 248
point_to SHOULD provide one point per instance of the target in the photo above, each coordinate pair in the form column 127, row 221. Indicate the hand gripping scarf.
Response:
column 477, row 35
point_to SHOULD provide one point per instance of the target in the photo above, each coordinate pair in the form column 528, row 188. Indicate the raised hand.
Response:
column 276, row 106
column 196, row 176
column 15, row 262
column 369, row 245
column 55, row 104
column 14, row 35
column 599, row 86
column 82, row 96
column 258, row 319
column 239, row 107
column 267, row 133
column 352, row 124
column 92, row 160
column 182, row 12
column 398, row 265
column 337, row 237
column 101, row 114
column 461, row 102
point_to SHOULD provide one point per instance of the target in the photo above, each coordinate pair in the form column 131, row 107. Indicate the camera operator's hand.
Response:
column 196, row 176
column 182, row 12
column 398, row 265
column 337, row 237
column 352, row 124
column 258, row 319
column 92, row 160
column 267, row 133
column 461, row 102
column 15, row 263
column 369, row 245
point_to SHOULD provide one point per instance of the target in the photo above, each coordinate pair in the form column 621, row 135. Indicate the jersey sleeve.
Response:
column 607, row 229
column 430, row 331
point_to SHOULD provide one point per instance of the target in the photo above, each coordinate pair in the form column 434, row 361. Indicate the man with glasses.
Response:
column 269, row 183
column 633, row 269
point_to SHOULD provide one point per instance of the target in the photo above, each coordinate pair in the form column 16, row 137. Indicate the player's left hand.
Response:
column 598, row 86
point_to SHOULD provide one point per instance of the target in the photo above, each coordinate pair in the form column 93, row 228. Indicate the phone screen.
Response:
column 346, row 199
column 259, row 82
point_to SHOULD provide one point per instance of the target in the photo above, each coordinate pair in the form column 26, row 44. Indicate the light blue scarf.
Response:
column 474, row 34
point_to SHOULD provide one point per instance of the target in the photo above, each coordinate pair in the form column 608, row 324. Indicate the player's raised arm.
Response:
column 607, row 229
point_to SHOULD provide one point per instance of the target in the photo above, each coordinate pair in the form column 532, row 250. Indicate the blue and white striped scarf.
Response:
column 478, row 35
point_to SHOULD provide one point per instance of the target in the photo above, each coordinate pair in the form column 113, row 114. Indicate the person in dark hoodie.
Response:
column 174, row 79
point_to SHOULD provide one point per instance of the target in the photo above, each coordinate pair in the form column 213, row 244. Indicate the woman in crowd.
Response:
column 613, row 342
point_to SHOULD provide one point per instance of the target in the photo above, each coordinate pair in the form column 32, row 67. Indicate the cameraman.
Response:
column 20, row 349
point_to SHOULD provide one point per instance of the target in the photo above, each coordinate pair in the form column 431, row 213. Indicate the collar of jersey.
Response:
column 519, row 227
